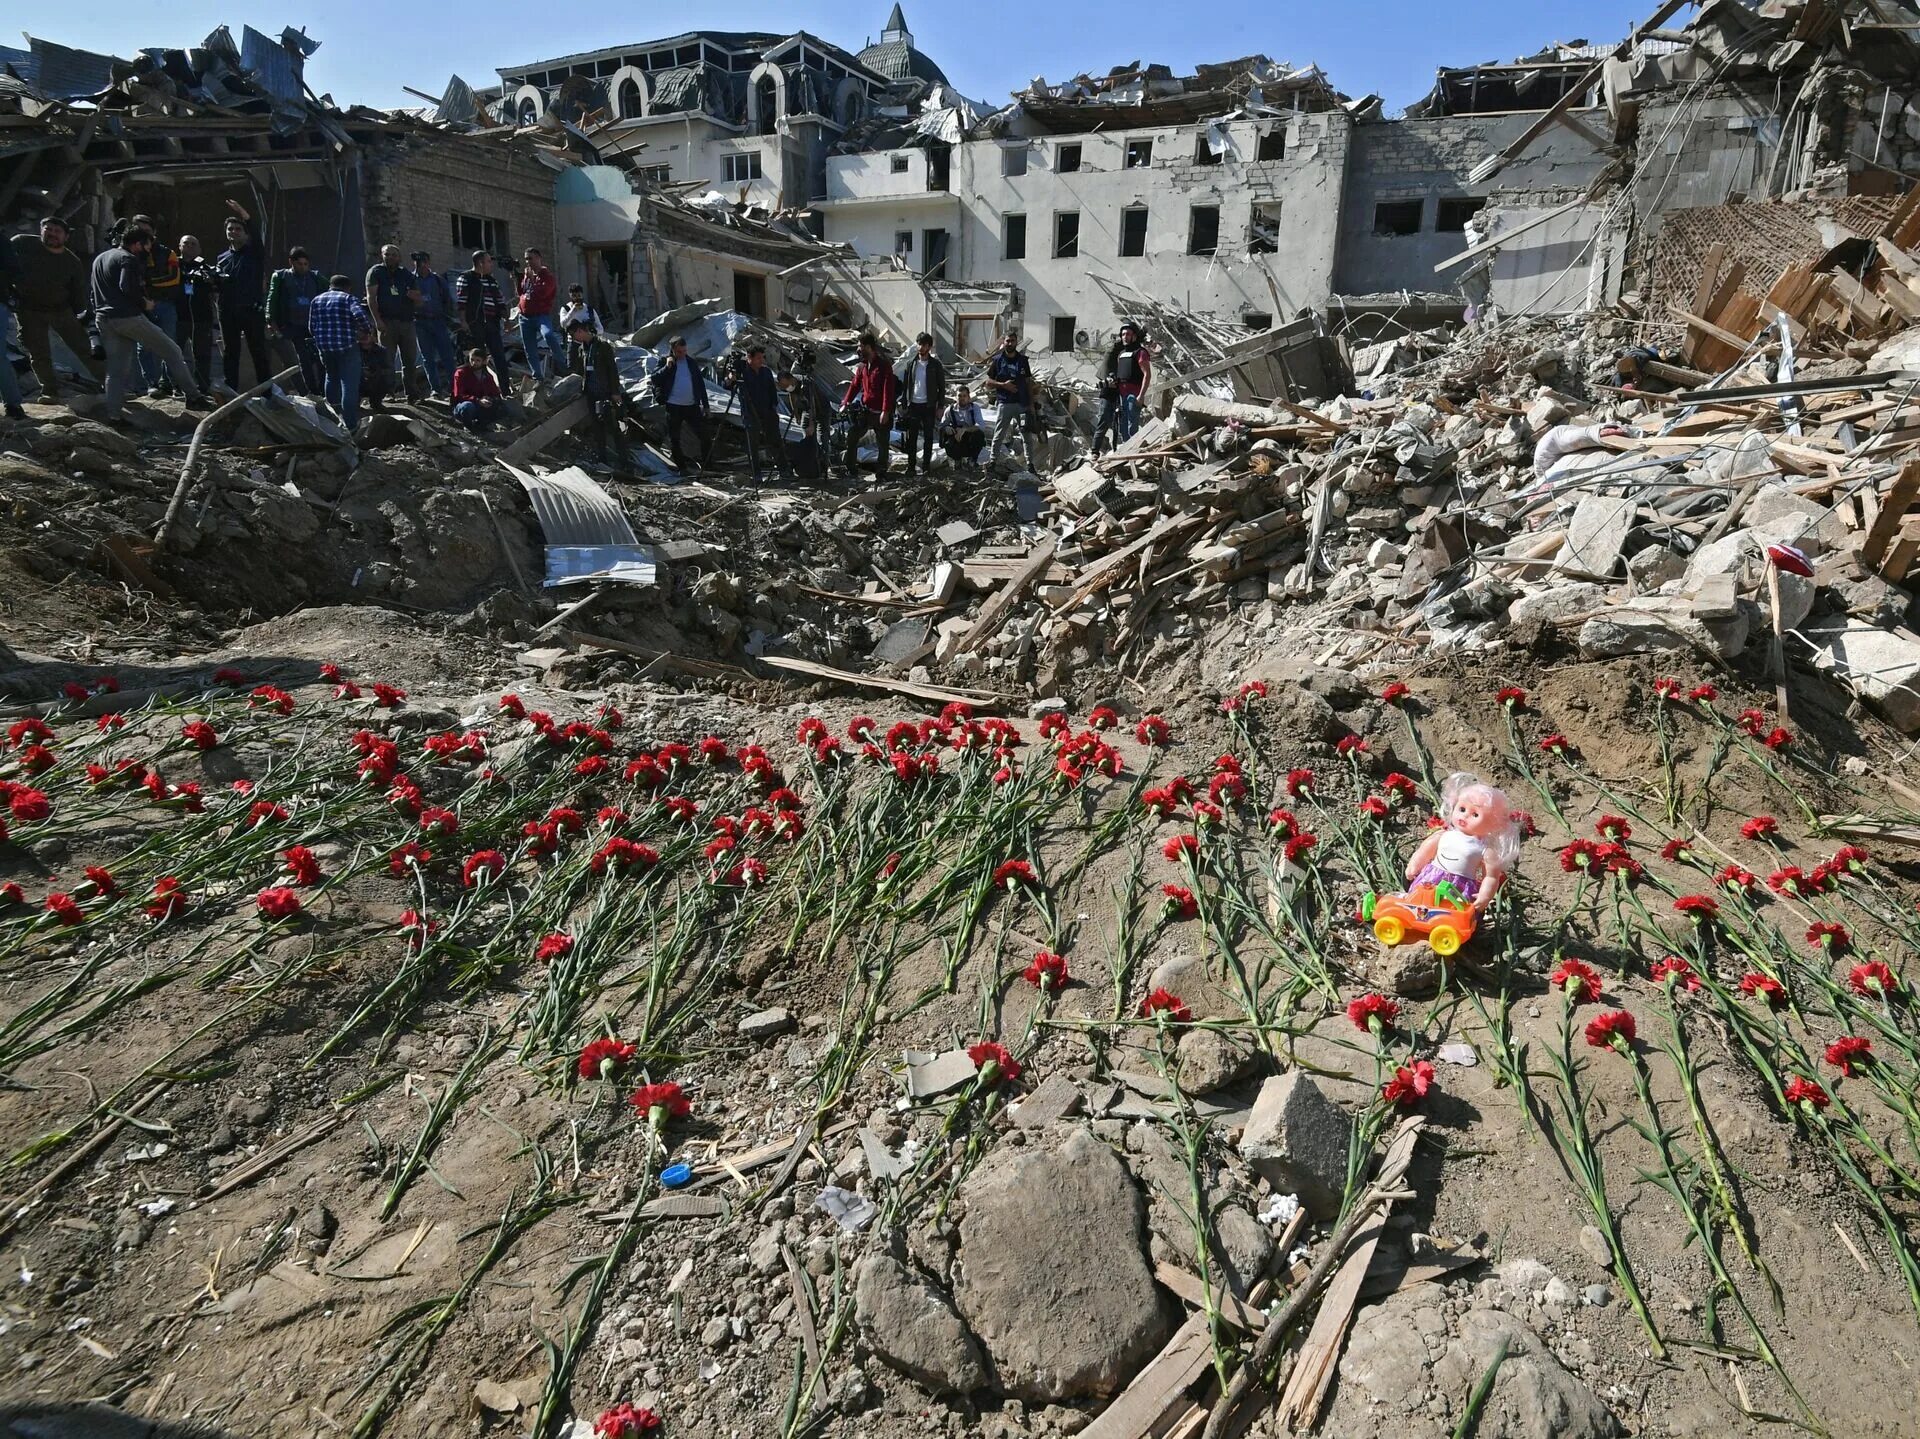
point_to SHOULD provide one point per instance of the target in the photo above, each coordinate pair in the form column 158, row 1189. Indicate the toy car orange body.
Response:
column 1445, row 921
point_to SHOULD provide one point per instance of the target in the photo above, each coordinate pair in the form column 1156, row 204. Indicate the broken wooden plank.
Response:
column 129, row 556
column 535, row 440
column 1004, row 598
column 1189, row 1288
column 1104, row 571
column 979, row 699
column 1875, row 831
column 1056, row 1098
column 1157, row 1388
column 1894, row 505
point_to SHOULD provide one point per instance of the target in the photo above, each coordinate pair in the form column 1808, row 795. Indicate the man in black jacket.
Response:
column 683, row 390
column 481, row 306
column 242, row 268
column 923, row 395
column 120, row 306
column 52, row 287
column 199, row 284
column 289, row 293
column 759, row 392
column 591, row 357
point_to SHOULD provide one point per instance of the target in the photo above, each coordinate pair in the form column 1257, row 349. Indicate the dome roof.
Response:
column 895, row 56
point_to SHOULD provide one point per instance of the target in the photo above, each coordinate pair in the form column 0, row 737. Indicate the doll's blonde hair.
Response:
column 1503, row 844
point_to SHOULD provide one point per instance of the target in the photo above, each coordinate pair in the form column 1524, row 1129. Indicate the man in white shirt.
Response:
column 577, row 308
column 923, row 391
column 681, row 388
column 963, row 430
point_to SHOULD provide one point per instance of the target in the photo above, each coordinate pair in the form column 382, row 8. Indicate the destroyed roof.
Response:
column 727, row 39
column 260, row 76
column 1137, row 95
column 1533, row 82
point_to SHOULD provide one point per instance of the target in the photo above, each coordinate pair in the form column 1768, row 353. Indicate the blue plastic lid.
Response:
column 674, row 1176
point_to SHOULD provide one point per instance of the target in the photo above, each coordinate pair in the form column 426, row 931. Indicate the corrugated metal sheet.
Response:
column 61, row 73
column 272, row 67
column 588, row 537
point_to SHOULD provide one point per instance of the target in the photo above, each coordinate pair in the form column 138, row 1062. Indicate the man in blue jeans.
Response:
column 433, row 323
column 336, row 322
column 539, row 290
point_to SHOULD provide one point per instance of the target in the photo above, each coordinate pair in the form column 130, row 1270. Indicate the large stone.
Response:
column 1533, row 1395
column 1053, row 1273
column 1244, row 1247
column 1872, row 599
column 1210, row 1060
column 1392, row 1346
column 1654, row 626
column 1881, row 666
column 1298, row 1139
column 1595, row 534
column 1555, row 602
column 915, row 1328
column 1654, row 566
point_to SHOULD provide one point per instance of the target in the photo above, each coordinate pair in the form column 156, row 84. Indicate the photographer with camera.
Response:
column 1129, row 368
column 758, row 391
column 680, row 386
column 1010, row 377
column 199, row 283
column 872, row 396
column 591, row 357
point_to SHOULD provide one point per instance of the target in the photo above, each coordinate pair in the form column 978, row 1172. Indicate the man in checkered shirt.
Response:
column 336, row 322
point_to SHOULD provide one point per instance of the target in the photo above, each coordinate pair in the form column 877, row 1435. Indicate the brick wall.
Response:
column 413, row 188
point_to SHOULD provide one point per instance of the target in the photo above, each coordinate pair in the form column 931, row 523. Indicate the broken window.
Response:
column 1013, row 229
column 657, row 174
column 1062, row 334
column 1273, row 143
column 1263, row 228
column 743, row 165
column 1455, row 211
column 1203, row 150
column 1203, row 230
column 1257, row 320
column 897, row 164
column 474, row 232
column 903, row 242
column 1139, row 154
column 1066, row 159
column 750, row 294
column 1066, row 234
column 1397, row 217
column 1133, row 232
column 1013, row 159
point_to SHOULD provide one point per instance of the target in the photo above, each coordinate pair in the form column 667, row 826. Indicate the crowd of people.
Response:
column 157, row 308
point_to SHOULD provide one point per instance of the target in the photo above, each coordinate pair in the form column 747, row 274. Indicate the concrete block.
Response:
column 1881, row 666
column 1595, row 534
column 1297, row 1139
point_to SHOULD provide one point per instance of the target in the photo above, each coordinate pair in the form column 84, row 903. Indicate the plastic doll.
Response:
column 1477, row 849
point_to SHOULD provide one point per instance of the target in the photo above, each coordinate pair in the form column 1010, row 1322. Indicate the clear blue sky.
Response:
column 371, row 48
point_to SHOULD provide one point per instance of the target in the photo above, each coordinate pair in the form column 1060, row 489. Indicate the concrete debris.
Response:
column 1298, row 1139
column 915, row 1328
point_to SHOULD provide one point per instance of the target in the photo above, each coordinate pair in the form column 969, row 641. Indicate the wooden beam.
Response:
column 547, row 431
column 1002, row 599
column 979, row 699
column 1894, row 505
column 1708, row 328
column 1506, row 237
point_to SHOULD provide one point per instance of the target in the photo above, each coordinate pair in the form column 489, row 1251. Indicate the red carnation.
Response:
column 1103, row 717
column 1181, row 847
column 388, row 696
column 1577, row 981
column 657, row 1103
column 604, row 1058
column 303, row 865
column 1298, row 846
column 1810, row 1097
column 1394, row 693
column 269, row 697
column 1299, row 782
column 1667, row 689
column 1766, row 987
column 1849, row 859
column 277, row 902
column 1612, row 1030
column 1579, row 856
column 1512, row 697
column 1048, row 971
column 624, row 1421
column 748, row 874
column 1700, row 908
column 482, row 867
column 1409, row 1084
column 1677, row 850
column 1373, row 1013
column 1613, row 827
column 199, row 734
column 408, row 855
column 1733, row 877
column 418, row 929
column 229, row 676
column 1673, row 970
column 1789, row 879
column 1399, row 787
column 554, row 946
column 1557, row 744
column 1226, row 789
column 1351, row 745
column 1847, row 1051
column 1702, row 694
column 1873, row 979
column 1166, row 1006
column 1178, row 902
column 65, row 908
column 1153, row 730
column 1777, row 739
column 1374, row 807
column 1761, row 827
column 169, row 898
column 994, row 1064
column 1830, row 936
column 1013, row 873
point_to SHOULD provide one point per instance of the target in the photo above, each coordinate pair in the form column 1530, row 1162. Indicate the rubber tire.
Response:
column 1389, row 930
column 1444, row 940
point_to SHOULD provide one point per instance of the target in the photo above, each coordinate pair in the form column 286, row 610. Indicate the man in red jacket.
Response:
column 872, row 396
column 538, row 289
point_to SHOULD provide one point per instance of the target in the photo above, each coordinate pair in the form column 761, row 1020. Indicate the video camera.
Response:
column 730, row 368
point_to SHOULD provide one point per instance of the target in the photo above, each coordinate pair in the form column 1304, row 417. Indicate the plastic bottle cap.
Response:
column 675, row 1176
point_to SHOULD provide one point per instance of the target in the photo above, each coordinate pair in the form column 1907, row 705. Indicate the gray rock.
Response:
column 1392, row 1346
column 1871, row 599
column 1594, row 1245
column 1596, row 1295
column 1556, row 602
column 1411, row 971
column 1208, row 1060
column 717, row 1332
column 1066, row 1308
column 1595, row 534
column 1655, row 566
column 1880, row 666
column 1244, row 1246
column 1533, row 1396
column 763, row 1255
column 766, row 1024
column 1297, row 1139
column 317, row 1228
column 915, row 1328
